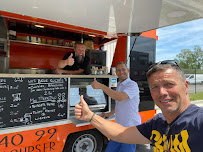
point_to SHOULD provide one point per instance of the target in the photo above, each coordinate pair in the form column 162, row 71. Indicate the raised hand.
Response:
column 82, row 111
column 95, row 84
column 70, row 60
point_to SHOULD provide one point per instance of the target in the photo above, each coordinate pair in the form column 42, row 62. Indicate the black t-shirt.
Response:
column 185, row 133
column 76, row 65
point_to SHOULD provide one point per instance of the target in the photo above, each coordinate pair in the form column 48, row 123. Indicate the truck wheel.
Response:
column 85, row 141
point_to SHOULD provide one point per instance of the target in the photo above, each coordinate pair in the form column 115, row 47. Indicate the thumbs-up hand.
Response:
column 70, row 60
column 82, row 111
column 95, row 84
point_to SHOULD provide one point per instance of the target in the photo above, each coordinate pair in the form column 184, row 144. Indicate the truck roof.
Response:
column 110, row 16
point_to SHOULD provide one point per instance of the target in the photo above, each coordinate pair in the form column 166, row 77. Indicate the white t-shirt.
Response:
column 126, row 111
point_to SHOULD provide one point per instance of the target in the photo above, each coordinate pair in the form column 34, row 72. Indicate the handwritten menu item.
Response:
column 26, row 101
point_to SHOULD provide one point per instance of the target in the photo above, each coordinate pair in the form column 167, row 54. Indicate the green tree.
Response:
column 199, row 55
column 188, row 59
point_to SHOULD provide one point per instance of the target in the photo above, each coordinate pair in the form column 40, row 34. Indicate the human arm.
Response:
column 110, row 129
column 119, row 96
column 69, row 61
column 74, row 72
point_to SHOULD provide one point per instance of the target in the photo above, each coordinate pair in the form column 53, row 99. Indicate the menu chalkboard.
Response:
column 26, row 101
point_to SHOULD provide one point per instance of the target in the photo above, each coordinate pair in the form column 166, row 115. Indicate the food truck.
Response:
column 37, row 105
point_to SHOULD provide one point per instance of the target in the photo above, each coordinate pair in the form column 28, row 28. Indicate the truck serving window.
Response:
column 95, row 98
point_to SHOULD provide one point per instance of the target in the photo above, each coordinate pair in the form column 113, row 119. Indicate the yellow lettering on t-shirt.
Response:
column 177, row 143
column 158, row 138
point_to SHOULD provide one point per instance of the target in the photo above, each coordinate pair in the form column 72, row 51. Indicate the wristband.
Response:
column 92, row 117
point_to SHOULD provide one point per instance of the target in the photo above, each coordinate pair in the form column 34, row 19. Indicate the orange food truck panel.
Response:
column 39, row 140
column 45, row 139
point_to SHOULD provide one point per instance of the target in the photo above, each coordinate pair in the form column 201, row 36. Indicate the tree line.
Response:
column 188, row 59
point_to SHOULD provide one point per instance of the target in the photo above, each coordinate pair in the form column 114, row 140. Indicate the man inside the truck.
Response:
column 74, row 62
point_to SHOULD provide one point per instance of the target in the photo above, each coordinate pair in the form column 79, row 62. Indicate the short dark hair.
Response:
column 121, row 63
column 162, row 67
column 77, row 43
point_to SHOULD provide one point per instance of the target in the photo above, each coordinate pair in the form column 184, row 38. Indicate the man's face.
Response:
column 122, row 72
column 168, row 91
column 80, row 52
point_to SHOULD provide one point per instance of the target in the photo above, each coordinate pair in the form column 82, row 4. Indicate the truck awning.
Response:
column 110, row 16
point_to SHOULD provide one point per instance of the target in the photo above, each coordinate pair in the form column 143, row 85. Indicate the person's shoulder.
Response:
column 199, row 111
column 131, row 82
column 87, row 58
column 159, row 116
column 194, row 112
column 157, row 120
column 195, row 109
column 195, row 115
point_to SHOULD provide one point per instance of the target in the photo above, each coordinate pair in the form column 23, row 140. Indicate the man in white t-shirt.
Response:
column 127, row 101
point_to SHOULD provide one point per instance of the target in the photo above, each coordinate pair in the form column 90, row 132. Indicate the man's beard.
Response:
column 80, row 60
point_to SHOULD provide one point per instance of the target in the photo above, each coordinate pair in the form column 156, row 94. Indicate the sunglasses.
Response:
column 172, row 62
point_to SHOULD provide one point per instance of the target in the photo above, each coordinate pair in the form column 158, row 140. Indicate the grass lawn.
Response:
column 197, row 96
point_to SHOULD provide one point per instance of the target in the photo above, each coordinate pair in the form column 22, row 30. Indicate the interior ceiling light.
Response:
column 35, row 7
column 176, row 14
column 40, row 26
column 91, row 35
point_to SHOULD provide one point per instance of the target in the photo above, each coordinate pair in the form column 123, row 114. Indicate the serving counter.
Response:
column 33, row 99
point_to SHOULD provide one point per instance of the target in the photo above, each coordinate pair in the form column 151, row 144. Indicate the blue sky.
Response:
column 173, row 38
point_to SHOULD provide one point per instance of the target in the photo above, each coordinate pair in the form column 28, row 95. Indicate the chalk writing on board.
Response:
column 26, row 101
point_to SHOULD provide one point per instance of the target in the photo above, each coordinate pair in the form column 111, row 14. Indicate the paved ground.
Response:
column 143, row 148
column 195, row 88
